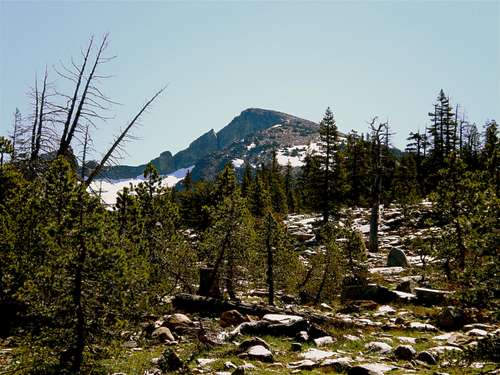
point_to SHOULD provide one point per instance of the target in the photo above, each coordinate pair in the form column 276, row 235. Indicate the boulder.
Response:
column 259, row 353
column 231, row 318
column 296, row 347
column 451, row 318
column 322, row 341
column 426, row 357
column 175, row 321
column 163, row 334
column 404, row 352
column 397, row 258
column 338, row 364
column 316, row 354
column 417, row 326
column 430, row 297
column 369, row 369
column 377, row 346
column 305, row 364
column 243, row 347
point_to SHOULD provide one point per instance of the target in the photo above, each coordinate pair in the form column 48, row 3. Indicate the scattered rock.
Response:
column 322, row 341
column 426, row 357
column 303, row 336
column 305, row 364
column 176, row 321
column 231, row 318
column 351, row 338
column 338, row 364
column 259, row 353
column 370, row 369
column 476, row 332
column 417, row 326
column 451, row 338
column 204, row 361
column 404, row 352
column 407, row 340
column 437, row 350
column 385, row 309
column 377, row 346
column 245, row 345
column 163, row 334
column 247, row 366
column 316, row 354
column 397, row 258
column 296, row 347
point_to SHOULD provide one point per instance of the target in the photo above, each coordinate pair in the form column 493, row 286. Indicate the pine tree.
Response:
column 228, row 242
column 329, row 146
column 246, row 180
column 291, row 197
column 277, row 187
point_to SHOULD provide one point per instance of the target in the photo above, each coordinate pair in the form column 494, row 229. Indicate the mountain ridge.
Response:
column 225, row 144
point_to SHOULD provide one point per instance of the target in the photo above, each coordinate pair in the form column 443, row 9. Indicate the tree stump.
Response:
column 209, row 286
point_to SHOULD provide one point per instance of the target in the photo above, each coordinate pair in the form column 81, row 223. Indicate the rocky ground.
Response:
column 398, row 324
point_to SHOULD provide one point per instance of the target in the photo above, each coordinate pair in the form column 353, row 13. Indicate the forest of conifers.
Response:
column 75, row 273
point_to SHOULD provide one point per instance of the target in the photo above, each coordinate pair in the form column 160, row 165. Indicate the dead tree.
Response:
column 379, row 134
column 87, row 104
column 118, row 143
column 16, row 128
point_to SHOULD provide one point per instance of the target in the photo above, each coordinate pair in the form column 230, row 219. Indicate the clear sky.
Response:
column 361, row 58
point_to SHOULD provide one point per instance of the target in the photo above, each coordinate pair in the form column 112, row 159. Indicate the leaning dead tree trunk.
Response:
column 116, row 144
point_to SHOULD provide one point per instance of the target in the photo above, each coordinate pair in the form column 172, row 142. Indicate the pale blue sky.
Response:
column 361, row 58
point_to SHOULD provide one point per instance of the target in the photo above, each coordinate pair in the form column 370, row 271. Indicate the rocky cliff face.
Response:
column 249, row 137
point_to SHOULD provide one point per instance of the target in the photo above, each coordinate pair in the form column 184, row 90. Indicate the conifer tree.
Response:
column 291, row 197
column 329, row 146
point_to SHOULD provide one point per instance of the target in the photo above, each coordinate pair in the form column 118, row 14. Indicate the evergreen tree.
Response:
column 291, row 197
column 227, row 243
column 329, row 146
column 277, row 187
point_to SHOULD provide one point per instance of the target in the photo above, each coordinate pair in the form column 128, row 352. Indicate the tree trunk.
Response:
column 270, row 261
column 207, row 287
column 374, row 217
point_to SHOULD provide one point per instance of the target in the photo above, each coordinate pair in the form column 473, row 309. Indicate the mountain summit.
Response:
column 249, row 137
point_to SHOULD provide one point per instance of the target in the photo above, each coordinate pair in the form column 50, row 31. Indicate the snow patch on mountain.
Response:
column 295, row 155
column 237, row 163
column 108, row 189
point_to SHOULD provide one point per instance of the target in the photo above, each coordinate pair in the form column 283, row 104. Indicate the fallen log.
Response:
column 214, row 306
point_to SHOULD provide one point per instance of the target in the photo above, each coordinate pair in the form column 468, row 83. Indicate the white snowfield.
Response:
column 238, row 163
column 108, row 189
column 295, row 155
